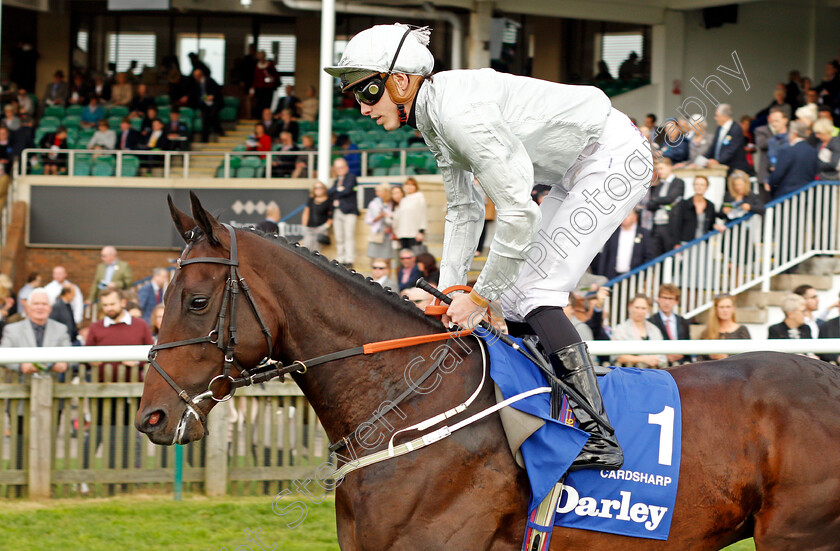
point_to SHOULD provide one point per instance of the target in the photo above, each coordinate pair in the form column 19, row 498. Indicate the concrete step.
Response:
column 759, row 299
column 789, row 282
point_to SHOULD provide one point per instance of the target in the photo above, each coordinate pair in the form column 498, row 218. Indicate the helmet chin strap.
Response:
column 401, row 98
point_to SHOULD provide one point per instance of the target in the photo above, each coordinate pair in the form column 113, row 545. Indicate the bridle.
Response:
column 234, row 286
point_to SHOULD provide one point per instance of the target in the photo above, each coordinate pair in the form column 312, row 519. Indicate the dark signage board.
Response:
column 139, row 217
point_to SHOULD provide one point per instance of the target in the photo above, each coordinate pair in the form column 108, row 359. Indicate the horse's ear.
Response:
column 183, row 222
column 209, row 225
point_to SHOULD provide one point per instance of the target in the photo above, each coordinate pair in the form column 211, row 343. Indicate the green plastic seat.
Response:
column 246, row 172
column 72, row 121
column 253, row 161
column 81, row 169
column 74, row 110
column 228, row 113
column 164, row 111
column 162, row 99
column 231, row 101
column 114, row 123
column 187, row 113
column 102, row 169
column 54, row 111
column 118, row 111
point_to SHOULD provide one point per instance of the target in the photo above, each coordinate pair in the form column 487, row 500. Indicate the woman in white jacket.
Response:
column 410, row 216
column 510, row 132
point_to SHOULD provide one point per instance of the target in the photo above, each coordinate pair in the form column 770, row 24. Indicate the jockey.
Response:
column 507, row 133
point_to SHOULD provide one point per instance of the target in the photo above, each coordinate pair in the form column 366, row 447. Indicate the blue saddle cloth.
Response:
column 644, row 408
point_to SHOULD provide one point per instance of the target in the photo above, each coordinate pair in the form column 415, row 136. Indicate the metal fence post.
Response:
column 40, row 436
column 216, row 464
column 766, row 249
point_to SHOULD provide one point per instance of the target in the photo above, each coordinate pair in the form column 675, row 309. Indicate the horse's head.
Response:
column 212, row 328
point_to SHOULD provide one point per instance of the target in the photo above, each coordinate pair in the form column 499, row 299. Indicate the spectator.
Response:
column 354, row 160
column 179, row 87
column 693, row 218
column 146, row 124
column 808, row 95
column 141, row 103
column 381, row 268
column 638, row 328
column 103, row 138
column 10, row 119
column 828, row 150
column 6, row 152
column 824, row 112
column 672, row 326
column 260, row 140
column 128, row 138
column 151, row 294
column 778, row 102
column 629, row 68
column 418, row 297
column 379, row 217
column 62, row 310
column 427, row 265
column 307, row 143
column 409, row 272
column 23, row 137
column 206, row 96
column 121, row 93
column 830, row 330
column 793, row 326
column 111, row 272
column 115, row 329
column 56, row 92
column 665, row 193
column 829, row 88
column 79, row 91
column 807, row 115
column 728, row 144
column 25, row 104
column 628, row 248
column 37, row 330
column 284, row 165
column 33, row 281
column 797, row 164
column 198, row 65
column 577, row 306
column 397, row 195
column 265, row 81
column 603, row 74
column 317, row 217
column 410, row 218
column 56, row 286
column 272, row 127
column 722, row 324
column 157, row 320
column 309, row 106
column 792, row 89
column 287, row 124
column 813, row 318
column 676, row 145
column 101, row 89
column 699, row 141
column 289, row 101
column 55, row 162
column 177, row 131
column 345, row 212
column 7, row 301
column 749, row 147
column 769, row 140
column 271, row 224
column 92, row 114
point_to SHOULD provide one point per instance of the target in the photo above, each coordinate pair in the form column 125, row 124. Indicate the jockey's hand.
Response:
column 465, row 312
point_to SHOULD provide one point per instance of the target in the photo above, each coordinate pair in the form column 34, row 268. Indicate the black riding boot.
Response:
column 574, row 366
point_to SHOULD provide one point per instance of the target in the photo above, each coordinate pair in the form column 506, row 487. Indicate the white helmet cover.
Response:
column 373, row 49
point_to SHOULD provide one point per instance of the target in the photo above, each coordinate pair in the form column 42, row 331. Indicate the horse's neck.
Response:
column 326, row 315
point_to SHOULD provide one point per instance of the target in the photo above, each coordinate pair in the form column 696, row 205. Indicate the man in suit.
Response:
column 62, row 310
column 57, row 90
column 666, row 191
column 151, row 294
column 36, row 330
column 128, row 138
column 769, row 140
column 111, row 272
column 409, row 272
column 206, row 96
column 797, row 164
column 830, row 330
column 727, row 147
column 345, row 213
column 793, row 326
column 672, row 326
column 628, row 248
column 55, row 287
column 177, row 131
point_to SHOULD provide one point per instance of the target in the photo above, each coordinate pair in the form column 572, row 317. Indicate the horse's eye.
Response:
column 198, row 303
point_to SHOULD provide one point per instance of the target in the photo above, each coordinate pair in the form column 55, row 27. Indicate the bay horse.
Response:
column 761, row 431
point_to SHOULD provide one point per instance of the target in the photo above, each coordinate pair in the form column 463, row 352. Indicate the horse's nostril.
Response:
column 154, row 418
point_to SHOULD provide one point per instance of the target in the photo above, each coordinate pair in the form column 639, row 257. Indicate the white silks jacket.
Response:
column 511, row 132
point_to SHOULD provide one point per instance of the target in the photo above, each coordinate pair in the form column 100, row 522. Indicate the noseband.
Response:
column 234, row 285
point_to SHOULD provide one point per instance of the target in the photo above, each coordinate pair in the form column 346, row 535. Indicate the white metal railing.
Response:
column 750, row 252
column 75, row 354
column 164, row 159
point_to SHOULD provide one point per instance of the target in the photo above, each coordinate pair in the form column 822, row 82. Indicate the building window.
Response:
column 615, row 48
column 123, row 48
column 82, row 41
column 281, row 49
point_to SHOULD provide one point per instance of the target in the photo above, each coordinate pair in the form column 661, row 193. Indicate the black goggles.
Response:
column 370, row 91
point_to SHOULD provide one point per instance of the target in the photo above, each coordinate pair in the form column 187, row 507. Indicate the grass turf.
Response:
column 153, row 522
